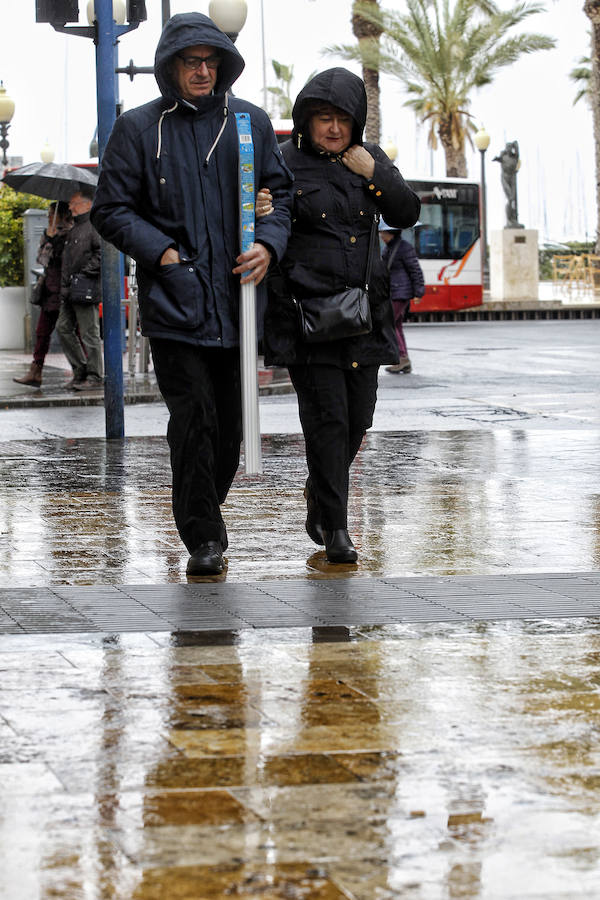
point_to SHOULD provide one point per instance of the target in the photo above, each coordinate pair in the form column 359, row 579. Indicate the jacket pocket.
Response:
column 177, row 297
column 309, row 201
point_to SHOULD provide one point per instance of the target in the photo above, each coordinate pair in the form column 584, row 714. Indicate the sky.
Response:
column 51, row 78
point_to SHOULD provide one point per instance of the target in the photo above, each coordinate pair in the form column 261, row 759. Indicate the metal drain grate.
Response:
column 297, row 603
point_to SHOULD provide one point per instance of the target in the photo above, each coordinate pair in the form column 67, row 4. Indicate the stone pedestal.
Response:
column 12, row 310
column 514, row 264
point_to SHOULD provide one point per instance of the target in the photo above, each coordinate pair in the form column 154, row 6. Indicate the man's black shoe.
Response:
column 338, row 546
column 224, row 538
column 206, row 560
column 313, row 525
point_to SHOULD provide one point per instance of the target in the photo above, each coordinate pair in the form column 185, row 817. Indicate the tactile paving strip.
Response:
column 297, row 603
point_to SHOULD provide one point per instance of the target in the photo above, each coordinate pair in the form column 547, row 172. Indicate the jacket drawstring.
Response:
column 216, row 141
column 222, row 129
column 160, row 121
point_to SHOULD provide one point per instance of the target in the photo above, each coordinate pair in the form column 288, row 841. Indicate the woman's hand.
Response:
column 264, row 203
column 253, row 264
column 359, row 161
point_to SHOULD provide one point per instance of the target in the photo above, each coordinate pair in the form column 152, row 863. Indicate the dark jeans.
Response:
column 43, row 333
column 201, row 387
column 336, row 408
column 401, row 311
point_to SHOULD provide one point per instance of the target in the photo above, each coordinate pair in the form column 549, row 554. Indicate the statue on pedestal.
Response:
column 510, row 164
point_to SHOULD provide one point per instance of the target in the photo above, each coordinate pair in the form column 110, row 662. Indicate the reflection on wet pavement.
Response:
column 88, row 511
column 425, row 761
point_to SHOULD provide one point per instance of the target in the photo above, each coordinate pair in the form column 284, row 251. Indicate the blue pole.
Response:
column 111, row 282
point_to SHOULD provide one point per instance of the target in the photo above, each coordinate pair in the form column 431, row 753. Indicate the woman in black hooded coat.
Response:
column 341, row 187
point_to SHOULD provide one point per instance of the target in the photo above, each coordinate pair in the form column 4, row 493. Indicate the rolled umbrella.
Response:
column 248, row 339
column 54, row 181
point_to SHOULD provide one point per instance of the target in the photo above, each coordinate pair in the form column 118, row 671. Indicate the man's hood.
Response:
column 340, row 88
column 186, row 30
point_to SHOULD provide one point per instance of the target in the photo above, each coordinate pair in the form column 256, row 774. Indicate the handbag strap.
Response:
column 391, row 257
column 372, row 234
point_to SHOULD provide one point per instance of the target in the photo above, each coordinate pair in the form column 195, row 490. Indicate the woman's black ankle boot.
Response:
column 313, row 517
column 338, row 546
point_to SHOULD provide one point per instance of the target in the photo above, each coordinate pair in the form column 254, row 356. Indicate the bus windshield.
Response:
column 449, row 222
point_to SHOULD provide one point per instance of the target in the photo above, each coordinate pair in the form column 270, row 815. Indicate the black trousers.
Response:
column 336, row 408
column 201, row 387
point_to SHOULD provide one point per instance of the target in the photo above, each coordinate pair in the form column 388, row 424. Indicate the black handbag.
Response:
column 84, row 289
column 37, row 291
column 342, row 315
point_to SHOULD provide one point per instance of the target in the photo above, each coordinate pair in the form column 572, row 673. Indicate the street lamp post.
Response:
column 7, row 109
column 228, row 15
column 390, row 150
column 482, row 142
column 105, row 17
column 47, row 153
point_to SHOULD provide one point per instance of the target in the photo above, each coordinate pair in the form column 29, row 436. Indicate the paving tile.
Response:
column 271, row 882
column 215, row 807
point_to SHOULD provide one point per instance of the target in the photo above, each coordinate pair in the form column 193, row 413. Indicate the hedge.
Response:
column 12, row 206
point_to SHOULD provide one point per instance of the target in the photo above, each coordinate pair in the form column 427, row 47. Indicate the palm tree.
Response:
column 441, row 51
column 592, row 10
column 285, row 75
column 582, row 76
column 367, row 31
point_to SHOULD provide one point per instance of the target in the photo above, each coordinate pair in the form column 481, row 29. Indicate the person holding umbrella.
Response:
column 78, row 328
column 47, row 289
column 168, row 196
column 78, row 323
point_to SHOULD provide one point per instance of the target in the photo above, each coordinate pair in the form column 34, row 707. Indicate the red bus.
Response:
column 448, row 243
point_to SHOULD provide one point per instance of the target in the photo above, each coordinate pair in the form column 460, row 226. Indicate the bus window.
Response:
column 429, row 232
column 463, row 229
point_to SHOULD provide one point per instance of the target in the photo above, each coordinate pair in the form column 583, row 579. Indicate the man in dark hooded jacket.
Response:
column 168, row 197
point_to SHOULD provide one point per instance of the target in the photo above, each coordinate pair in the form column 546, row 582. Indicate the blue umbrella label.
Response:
column 247, row 192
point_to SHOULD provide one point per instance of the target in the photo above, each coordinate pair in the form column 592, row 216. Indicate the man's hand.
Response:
column 170, row 257
column 253, row 264
column 359, row 161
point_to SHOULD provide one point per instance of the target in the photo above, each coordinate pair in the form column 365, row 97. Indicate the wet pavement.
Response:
column 440, row 760
column 139, row 385
column 423, row 725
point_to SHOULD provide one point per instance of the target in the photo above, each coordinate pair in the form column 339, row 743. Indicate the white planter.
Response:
column 12, row 318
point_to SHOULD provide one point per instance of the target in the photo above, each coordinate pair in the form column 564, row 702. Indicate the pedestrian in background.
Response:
column 47, row 290
column 406, row 283
column 168, row 196
column 341, row 185
column 78, row 323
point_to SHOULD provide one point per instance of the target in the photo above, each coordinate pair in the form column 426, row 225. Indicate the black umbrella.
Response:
column 55, row 181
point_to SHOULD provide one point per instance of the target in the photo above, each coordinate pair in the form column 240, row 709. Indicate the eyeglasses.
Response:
column 195, row 62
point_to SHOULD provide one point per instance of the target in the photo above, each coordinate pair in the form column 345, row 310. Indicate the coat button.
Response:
column 299, row 193
column 323, row 215
column 378, row 193
column 360, row 212
column 355, row 365
column 190, row 269
column 352, row 240
column 371, row 187
column 163, row 181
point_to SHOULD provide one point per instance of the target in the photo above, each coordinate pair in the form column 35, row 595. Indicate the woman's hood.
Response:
column 186, row 30
column 340, row 88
